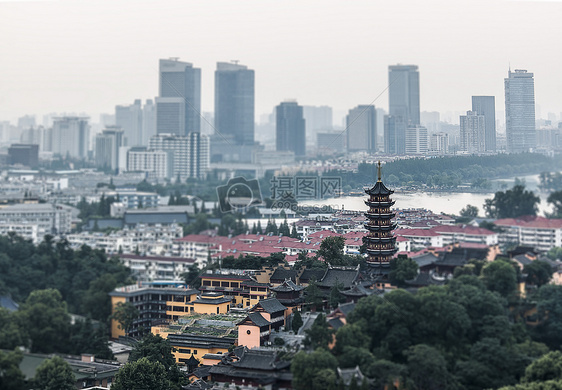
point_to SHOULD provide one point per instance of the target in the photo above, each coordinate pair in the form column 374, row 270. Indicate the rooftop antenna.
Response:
column 235, row 62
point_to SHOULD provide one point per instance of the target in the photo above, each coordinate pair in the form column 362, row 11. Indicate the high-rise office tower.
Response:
column 290, row 128
column 416, row 140
column 404, row 93
column 108, row 144
column 473, row 132
column 317, row 118
column 486, row 105
column 179, row 98
column 234, row 102
column 70, row 137
column 148, row 121
column 361, row 125
column 129, row 118
column 394, row 135
column 520, row 111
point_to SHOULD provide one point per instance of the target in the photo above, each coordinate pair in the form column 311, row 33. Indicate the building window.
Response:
column 217, row 310
column 184, row 350
column 195, row 352
column 216, row 284
column 224, row 284
column 206, row 283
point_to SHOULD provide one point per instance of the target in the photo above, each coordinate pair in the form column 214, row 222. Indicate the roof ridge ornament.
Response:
column 379, row 170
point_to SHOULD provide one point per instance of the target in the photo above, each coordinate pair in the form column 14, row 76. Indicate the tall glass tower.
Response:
column 178, row 106
column 234, row 102
column 404, row 93
column 520, row 111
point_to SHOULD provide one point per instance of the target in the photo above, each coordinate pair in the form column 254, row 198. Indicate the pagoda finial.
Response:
column 379, row 171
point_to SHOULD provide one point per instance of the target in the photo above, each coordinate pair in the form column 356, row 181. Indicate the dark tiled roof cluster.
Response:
column 283, row 274
column 271, row 305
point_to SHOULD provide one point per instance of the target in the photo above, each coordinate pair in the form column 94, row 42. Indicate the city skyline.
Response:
column 47, row 69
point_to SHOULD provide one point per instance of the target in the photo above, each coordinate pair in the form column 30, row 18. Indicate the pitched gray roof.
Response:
column 271, row 305
column 342, row 276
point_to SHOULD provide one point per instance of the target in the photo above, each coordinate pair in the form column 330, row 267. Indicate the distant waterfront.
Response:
column 438, row 202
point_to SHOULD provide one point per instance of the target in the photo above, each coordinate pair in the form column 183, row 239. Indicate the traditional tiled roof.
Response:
column 287, row 286
column 346, row 277
column 7, row 303
column 379, row 189
column 283, row 274
column 270, row 305
column 309, row 274
column 256, row 318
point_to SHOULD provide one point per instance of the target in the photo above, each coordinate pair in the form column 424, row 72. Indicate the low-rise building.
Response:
column 531, row 230
column 49, row 218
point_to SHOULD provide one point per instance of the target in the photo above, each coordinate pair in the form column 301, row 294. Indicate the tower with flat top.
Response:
column 380, row 241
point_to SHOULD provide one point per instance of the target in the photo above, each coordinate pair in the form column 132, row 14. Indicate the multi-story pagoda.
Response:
column 380, row 241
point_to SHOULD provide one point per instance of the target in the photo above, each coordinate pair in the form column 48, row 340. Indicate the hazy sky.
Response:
column 88, row 56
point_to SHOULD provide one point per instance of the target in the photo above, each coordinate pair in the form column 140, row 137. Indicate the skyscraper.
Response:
column 520, row 111
column 290, row 128
column 129, row 118
column 394, row 135
column 179, row 85
column 234, row 102
column 486, row 105
column 361, row 125
column 404, row 93
column 70, row 137
column 473, row 132
column 108, row 144
column 317, row 118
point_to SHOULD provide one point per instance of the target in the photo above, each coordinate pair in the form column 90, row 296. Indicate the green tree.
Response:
column 297, row 321
column 555, row 253
column 313, row 295
column 428, row 369
column 85, row 338
column 320, row 335
column 97, row 302
column 125, row 314
column 512, row 203
column 402, row 268
column 11, row 334
column 54, row 374
column 549, row 310
column 500, row 276
column 306, row 366
column 336, row 297
column 331, row 250
column 538, row 272
column 555, row 199
column 545, row 368
column 469, row 211
column 351, row 335
column 11, row 377
column 142, row 374
column 46, row 320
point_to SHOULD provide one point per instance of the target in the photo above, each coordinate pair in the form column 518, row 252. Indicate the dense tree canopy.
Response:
column 512, row 203
column 54, row 374
column 142, row 374
column 82, row 277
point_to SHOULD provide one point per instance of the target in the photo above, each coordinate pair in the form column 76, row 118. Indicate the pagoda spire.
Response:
column 380, row 241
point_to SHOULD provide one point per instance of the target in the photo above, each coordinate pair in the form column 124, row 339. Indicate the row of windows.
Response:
column 185, row 350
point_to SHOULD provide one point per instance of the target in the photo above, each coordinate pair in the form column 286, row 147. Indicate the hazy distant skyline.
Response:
column 88, row 56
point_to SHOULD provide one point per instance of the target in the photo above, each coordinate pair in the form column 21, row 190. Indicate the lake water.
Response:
column 438, row 202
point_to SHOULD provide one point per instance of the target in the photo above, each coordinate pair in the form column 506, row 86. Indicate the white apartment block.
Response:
column 26, row 231
column 469, row 234
column 49, row 218
column 156, row 164
column 153, row 268
column 416, row 140
column 439, row 143
column 534, row 231
column 190, row 154
column 149, row 240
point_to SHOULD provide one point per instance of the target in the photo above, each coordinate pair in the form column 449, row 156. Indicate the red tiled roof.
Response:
column 416, row 233
column 531, row 221
column 466, row 229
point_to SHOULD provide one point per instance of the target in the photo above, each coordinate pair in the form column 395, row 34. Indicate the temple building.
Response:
column 380, row 241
